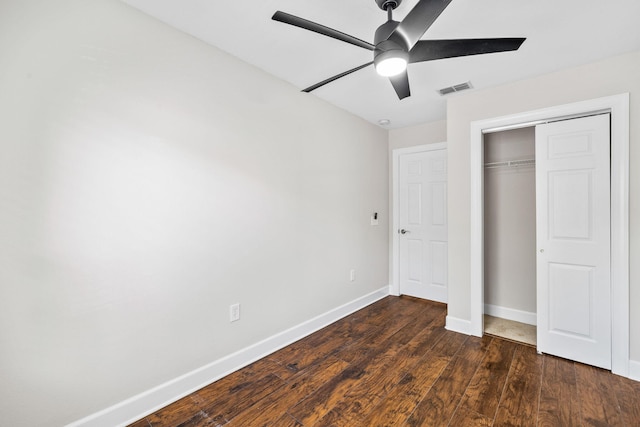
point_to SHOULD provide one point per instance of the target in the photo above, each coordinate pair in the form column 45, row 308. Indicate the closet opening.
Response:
column 509, row 230
column 618, row 107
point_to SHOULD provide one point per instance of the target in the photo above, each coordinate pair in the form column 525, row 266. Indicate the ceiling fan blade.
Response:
column 330, row 79
column 428, row 50
column 320, row 29
column 401, row 84
column 418, row 21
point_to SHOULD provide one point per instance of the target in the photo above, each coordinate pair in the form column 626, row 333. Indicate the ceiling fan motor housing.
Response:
column 386, row 48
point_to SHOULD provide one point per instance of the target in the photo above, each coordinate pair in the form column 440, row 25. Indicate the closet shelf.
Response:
column 511, row 163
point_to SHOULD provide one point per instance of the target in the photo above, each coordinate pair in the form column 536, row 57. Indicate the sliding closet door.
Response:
column 573, row 239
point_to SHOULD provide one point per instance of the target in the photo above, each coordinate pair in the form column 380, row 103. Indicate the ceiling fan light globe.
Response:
column 390, row 62
column 391, row 66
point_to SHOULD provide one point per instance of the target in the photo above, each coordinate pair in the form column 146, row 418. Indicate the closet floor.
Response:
column 514, row 331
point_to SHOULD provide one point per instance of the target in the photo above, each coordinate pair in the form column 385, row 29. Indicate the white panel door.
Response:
column 423, row 224
column 573, row 239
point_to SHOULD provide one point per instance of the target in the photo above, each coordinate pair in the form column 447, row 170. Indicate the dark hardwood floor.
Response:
column 394, row 364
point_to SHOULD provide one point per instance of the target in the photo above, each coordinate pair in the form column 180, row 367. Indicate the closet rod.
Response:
column 510, row 163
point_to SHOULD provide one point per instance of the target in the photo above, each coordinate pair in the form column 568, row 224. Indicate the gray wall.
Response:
column 427, row 133
column 147, row 182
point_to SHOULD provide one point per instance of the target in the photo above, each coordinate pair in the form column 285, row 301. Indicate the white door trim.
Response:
column 618, row 106
column 394, row 288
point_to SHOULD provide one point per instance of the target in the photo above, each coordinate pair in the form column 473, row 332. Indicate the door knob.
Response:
column 541, row 251
column 403, row 231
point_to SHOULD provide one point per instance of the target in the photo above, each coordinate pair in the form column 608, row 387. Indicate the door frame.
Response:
column 394, row 287
column 618, row 107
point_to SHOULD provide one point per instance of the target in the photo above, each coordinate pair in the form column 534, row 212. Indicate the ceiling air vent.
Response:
column 455, row 88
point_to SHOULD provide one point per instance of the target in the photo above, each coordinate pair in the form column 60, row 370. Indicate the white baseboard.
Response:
column 511, row 314
column 634, row 370
column 145, row 403
column 458, row 325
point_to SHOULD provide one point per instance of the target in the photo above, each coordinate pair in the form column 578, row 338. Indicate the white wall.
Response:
column 510, row 222
column 613, row 76
column 147, row 182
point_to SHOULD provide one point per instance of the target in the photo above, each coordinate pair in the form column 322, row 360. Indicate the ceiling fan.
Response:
column 397, row 44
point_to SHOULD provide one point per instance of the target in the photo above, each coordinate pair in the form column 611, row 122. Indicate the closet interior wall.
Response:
column 510, row 224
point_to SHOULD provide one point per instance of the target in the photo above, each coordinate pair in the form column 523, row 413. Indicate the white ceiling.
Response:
column 560, row 34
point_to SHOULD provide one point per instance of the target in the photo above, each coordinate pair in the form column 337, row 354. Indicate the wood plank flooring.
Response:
column 394, row 364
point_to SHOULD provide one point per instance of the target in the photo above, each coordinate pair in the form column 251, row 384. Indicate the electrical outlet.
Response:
column 234, row 312
column 352, row 275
